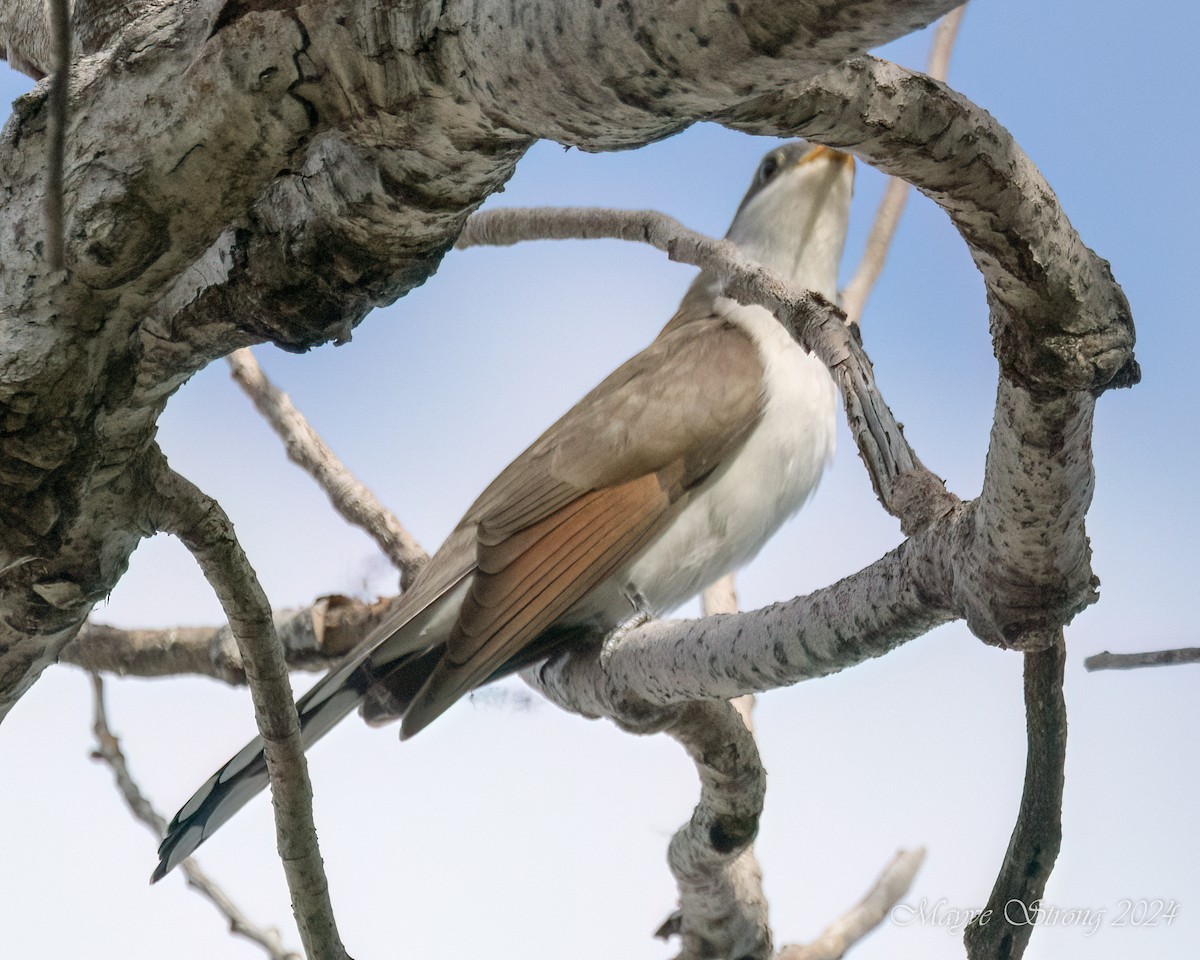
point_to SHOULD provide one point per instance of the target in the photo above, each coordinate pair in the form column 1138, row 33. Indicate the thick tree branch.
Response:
column 350, row 498
column 729, row 905
column 901, row 596
column 290, row 168
column 722, row 912
column 202, row 526
column 1061, row 326
column 108, row 750
column 1003, row 929
column 1060, row 321
column 895, row 194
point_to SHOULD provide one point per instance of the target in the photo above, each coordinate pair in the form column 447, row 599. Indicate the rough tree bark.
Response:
column 241, row 171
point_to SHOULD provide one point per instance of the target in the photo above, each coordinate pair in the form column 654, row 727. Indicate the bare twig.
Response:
column 56, row 131
column 895, row 194
column 200, row 523
column 866, row 915
column 1002, row 930
column 108, row 750
column 1150, row 658
column 306, row 449
column 943, row 43
column 313, row 638
column 905, row 487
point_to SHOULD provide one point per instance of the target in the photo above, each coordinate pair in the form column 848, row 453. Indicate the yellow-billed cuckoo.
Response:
column 672, row 472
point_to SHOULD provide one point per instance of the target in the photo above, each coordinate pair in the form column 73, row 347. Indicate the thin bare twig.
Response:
column 313, row 638
column 202, row 526
column 895, row 194
column 306, row 449
column 1149, row 658
column 866, row 915
column 108, row 750
column 56, row 132
column 1002, row 930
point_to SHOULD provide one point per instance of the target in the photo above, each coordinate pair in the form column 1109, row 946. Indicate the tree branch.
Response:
column 1003, row 929
column 200, row 523
column 895, row 194
column 899, row 597
column 866, row 915
column 905, row 487
column 722, row 912
column 56, row 130
column 1152, row 658
column 350, row 498
column 108, row 750
column 1061, row 325
column 721, row 597
column 313, row 638
column 725, row 893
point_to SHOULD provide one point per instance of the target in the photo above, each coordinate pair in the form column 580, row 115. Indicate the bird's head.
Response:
column 793, row 218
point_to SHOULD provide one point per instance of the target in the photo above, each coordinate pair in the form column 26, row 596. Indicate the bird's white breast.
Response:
column 776, row 470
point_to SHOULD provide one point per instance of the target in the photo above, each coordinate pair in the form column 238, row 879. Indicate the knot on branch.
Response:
column 1079, row 340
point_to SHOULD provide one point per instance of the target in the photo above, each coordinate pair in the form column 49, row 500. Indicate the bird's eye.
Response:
column 768, row 167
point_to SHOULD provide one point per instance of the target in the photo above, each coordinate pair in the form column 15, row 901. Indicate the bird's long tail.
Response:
column 245, row 775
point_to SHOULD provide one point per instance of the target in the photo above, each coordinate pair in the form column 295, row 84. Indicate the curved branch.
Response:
column 722, row 912
column 202, row 526
column 905, row 487
column 899, row 597
column 1060, row 321
column 895, row 194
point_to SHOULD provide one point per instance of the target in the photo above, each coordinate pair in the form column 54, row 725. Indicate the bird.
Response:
column 672, row 472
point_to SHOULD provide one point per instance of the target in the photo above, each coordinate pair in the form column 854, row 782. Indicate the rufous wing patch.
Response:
column 525, row 583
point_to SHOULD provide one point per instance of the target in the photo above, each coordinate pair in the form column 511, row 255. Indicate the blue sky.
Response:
column 513, row 825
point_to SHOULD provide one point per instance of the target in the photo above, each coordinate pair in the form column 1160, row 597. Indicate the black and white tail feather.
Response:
column 245, row 775
column 398, row 661
column 382, row 680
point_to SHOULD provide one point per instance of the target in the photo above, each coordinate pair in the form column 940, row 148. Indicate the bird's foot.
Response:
column 640, row 617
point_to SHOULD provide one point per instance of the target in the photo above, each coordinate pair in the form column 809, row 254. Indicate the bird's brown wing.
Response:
column 603, row 481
